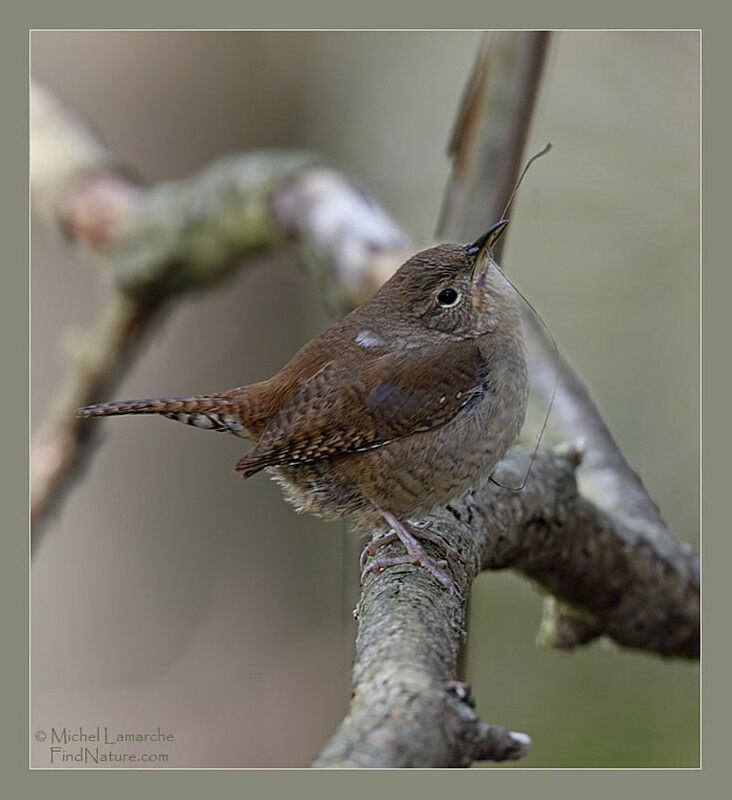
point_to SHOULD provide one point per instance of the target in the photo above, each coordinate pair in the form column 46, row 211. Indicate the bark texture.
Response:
column 407, row 710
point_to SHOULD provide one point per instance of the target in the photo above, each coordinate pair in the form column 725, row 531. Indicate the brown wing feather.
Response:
column 347, row 408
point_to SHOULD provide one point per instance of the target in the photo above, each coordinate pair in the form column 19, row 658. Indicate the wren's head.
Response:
column 447, row 292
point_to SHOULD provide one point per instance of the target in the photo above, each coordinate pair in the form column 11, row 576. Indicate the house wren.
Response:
column 405, row 404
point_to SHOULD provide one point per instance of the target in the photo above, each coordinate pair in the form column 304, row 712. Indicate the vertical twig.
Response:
column 486, row 147
column 490, row 131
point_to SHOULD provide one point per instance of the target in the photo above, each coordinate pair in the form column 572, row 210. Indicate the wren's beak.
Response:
column 482, row 248
column 488, row 239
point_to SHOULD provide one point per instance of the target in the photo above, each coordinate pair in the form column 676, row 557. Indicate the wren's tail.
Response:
column 211, row 413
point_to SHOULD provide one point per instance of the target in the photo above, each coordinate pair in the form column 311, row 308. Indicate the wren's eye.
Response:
column 448, row 297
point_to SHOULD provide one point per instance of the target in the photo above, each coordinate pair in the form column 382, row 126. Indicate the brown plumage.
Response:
column 403, row 405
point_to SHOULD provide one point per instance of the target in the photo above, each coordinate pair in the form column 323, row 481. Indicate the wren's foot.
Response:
column 418, row 531
column 421, row 530
column 409, row 534
column 372, row 548
column 438, row 569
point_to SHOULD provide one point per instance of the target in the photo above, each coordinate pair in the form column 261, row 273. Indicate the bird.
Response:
column 402, row 406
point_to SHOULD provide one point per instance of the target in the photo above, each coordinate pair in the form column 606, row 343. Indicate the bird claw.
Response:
column 438, row 569
column 421, row 530
column 372, row 547
column 409, row 534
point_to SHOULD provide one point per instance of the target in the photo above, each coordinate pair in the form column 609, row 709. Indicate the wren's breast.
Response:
column 418, row 473
column 414, row 474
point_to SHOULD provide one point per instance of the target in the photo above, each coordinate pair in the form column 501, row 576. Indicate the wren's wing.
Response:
column 345, row 408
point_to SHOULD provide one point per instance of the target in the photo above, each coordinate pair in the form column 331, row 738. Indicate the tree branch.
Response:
column 404, row 711
column 612, row 568
column 492, row 124
column 486, row 147
column 152, row 244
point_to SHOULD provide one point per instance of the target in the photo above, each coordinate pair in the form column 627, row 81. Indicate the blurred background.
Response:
column 170, row 593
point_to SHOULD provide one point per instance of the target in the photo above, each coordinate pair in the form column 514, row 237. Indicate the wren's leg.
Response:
column 418, row 531
column 421, row 530
column 415, row 554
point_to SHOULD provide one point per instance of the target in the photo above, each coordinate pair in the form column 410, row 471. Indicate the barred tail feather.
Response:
column 210, row 413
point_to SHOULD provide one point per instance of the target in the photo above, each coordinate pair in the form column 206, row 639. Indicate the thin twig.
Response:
column 488, row 139
column 486, row 147
column 99, row 357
